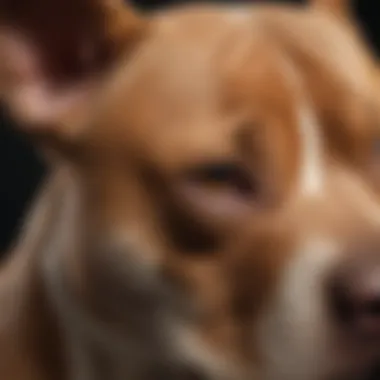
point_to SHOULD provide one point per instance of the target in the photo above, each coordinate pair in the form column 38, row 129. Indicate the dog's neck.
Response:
column 94, row 349
column 119, row 325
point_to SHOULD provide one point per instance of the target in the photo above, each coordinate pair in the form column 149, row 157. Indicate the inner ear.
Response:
column 52, row 54
column 71, row 38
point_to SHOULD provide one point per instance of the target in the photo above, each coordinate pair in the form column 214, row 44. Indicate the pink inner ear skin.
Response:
column 41, row 106
column 29, row 94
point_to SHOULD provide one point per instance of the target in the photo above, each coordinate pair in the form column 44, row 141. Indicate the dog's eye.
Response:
column 226, row 174
column 220, row 193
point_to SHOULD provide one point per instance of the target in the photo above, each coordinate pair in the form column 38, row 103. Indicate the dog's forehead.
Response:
column 195, row 79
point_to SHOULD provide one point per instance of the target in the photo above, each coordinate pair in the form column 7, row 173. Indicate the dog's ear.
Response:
column 341, row 8
column 53, row 52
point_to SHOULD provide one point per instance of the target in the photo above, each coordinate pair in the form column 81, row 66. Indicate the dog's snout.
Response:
column 354, row 292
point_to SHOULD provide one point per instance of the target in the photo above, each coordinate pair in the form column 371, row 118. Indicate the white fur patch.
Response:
column 192, row 350
column 312, row 170
column 293, row 332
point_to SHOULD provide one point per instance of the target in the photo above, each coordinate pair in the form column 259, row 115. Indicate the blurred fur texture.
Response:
column 214, row 168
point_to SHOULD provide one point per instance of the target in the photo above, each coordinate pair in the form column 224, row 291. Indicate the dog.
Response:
column 213, row 206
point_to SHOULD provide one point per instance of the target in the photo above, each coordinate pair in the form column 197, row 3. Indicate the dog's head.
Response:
column 227, row 167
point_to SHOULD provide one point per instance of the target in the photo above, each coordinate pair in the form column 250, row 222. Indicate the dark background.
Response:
column 21, row 172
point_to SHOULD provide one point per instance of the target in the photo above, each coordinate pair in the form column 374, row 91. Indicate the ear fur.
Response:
column 52, row 53
column 341, row 8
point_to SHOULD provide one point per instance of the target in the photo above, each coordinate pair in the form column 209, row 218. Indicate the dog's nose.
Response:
column 355, row 297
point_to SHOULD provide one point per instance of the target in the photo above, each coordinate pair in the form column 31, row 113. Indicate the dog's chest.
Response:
column 91, row 362
column 93, row 351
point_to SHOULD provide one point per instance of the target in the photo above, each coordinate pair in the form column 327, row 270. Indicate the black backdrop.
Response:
column 20, row 171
